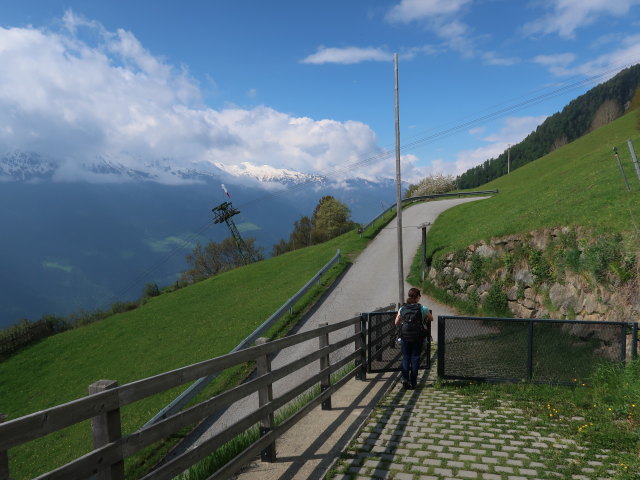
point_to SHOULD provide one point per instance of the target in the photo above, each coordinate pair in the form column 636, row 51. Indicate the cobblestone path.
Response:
column 437, row 434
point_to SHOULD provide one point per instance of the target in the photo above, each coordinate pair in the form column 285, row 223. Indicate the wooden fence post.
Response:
column 265, row 396
column 325, row 380
column 106, row 428
column 4, row 457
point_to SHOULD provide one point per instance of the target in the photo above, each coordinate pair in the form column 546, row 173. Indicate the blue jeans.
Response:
column 411, row 360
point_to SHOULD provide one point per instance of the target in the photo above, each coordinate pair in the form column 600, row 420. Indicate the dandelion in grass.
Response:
column 584, row 427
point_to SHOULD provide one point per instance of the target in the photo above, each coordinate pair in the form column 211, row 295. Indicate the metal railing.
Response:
column 563, row 352
column 185, row 397
column 426, row 197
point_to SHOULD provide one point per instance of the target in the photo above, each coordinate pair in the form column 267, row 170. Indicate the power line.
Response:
column 384, row 153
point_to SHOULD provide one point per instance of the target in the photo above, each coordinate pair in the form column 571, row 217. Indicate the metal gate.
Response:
column 563, row 352
column 383, row 349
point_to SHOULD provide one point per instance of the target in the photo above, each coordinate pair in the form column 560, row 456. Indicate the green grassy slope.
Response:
column 578, row 184
column 173, row 330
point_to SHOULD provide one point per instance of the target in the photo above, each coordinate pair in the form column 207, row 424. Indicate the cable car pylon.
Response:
column 224, row 213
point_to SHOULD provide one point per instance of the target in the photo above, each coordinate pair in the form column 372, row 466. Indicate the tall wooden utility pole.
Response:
column 398, row 189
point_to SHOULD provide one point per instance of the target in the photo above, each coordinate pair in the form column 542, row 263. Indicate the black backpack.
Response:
column 411, row 328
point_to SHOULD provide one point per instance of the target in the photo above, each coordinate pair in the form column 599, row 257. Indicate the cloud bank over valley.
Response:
column 83, row 97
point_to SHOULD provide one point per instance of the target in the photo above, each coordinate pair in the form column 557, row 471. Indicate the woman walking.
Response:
column 410, row 319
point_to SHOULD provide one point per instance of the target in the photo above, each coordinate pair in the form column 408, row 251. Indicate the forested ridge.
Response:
column 599, row 106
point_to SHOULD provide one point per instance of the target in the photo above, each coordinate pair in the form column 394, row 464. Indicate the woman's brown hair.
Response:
column 414, row 295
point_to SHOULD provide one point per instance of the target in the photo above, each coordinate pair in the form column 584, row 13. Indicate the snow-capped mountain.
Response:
column 21, row 166
column 268, row 174
column 25, row 166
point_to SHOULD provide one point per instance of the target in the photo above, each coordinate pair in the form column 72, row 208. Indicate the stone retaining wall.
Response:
column 543, row 290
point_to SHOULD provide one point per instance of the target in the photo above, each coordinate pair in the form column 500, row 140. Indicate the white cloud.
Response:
column 269, row 137
column 411, row 53
column 557, row 63
column 74, row 101
column 513, row 131
column 609, row 63
column 567, row 16
column 353, row 55
column 409, row 10
column 442, row 18
column 348, row 55
column 410, row 170
column 492, row 58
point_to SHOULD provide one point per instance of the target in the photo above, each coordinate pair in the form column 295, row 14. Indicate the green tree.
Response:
column 330, row 218
column 635, row 105
column 300, row 237
column 280, row 248
column 216, row 258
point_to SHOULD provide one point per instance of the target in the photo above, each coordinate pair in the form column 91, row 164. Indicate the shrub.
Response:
column 432, row 185
column 477, row 268
column 572, row 259
column 605, row 252
column 496, row 302
column 540, row 266
column 118, row 307
column 508, row 262
column 151, row 290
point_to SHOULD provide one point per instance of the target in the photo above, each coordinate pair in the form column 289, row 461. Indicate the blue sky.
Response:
column 301, row 85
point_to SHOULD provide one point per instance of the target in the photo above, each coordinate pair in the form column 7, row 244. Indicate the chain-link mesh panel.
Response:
column 568, row 353
column 484, row 349
column 544, row 351
column 383, row 349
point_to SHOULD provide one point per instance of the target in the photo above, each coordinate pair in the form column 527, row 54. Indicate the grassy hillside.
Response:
column 173, row 330
column 578, row 184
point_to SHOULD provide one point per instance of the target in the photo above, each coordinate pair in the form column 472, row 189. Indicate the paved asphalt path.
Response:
column 370, row 283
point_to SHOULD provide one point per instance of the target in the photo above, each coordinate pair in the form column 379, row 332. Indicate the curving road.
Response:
column 371, row 282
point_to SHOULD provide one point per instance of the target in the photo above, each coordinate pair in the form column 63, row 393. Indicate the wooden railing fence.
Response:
column 105, row 399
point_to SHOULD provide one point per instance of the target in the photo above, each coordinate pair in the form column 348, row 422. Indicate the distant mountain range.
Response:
column 68, row 245
column 30, row 166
